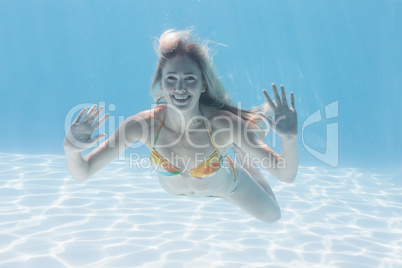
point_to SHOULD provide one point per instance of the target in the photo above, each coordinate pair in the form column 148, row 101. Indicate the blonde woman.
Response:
column 190, row 132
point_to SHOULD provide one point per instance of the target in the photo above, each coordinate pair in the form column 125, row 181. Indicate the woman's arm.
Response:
column 78, row 139
column 283, row 166
column 290, row 159
column 284, row 123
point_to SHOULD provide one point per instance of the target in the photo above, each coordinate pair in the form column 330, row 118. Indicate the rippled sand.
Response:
column 122, row 218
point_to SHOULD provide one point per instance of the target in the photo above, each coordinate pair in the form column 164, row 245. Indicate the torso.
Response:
column 186, row 153
column 220, row 184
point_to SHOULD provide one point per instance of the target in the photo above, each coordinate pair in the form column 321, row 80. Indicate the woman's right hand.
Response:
column 78, row 137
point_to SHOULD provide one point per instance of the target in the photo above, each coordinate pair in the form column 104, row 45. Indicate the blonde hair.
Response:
column 172, row 43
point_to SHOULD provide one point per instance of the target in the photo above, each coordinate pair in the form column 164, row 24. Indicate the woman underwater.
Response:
column 190, row 134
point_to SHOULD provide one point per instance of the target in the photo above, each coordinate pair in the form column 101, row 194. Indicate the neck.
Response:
column 177, row 119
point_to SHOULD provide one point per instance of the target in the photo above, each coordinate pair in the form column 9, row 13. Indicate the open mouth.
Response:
column 181, row 98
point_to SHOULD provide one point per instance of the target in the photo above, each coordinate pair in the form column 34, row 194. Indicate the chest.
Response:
column 187, row 149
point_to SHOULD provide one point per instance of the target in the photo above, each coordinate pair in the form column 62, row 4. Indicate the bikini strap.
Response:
column 206, row 125
column 157, row 134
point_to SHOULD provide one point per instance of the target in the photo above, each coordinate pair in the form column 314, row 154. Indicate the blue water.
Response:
column 342, row 59
column 56, row 55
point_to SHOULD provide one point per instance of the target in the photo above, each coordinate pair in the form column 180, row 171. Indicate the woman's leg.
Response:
column 253, row 199
column 254, row 172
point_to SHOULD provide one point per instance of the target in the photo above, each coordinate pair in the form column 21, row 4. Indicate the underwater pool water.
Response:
column 122, row 218
column 342, row 59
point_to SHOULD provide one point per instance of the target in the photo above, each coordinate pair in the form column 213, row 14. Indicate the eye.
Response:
column 190, row 78
column 171, row 78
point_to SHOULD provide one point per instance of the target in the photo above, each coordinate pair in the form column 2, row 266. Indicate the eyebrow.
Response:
column 184, row 73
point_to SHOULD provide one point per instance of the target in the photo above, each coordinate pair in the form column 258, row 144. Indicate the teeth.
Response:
column 181, row 97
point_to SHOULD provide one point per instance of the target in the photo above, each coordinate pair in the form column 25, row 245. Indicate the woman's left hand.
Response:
column 284, row 122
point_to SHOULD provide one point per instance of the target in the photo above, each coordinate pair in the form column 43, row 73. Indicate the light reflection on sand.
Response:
column 122, row 218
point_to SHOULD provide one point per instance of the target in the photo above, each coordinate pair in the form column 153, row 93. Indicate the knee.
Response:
column 272, row 216
column 276, row 217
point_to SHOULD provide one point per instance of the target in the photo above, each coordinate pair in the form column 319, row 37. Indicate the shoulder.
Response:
column 146, row 116
column 221, row 118
column 136, row 125
column 225, row 125
column 137, row 119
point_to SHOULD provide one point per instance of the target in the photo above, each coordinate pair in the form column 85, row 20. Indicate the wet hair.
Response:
column 173, row 43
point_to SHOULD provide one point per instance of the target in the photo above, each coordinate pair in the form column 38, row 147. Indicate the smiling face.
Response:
column 182, row 82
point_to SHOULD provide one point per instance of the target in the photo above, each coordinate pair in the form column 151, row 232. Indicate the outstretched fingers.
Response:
column 95, row 116
column 276, row 95
column 101, row 122
column 279, row 100
column 80, row 115
column 268, row 98
column 292, row 100
column 89, row 114
column 283, row 95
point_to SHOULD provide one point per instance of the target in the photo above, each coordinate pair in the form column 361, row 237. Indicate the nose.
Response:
column 180, row 86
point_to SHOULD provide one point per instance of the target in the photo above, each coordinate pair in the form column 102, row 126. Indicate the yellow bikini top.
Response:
column 207, row 168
